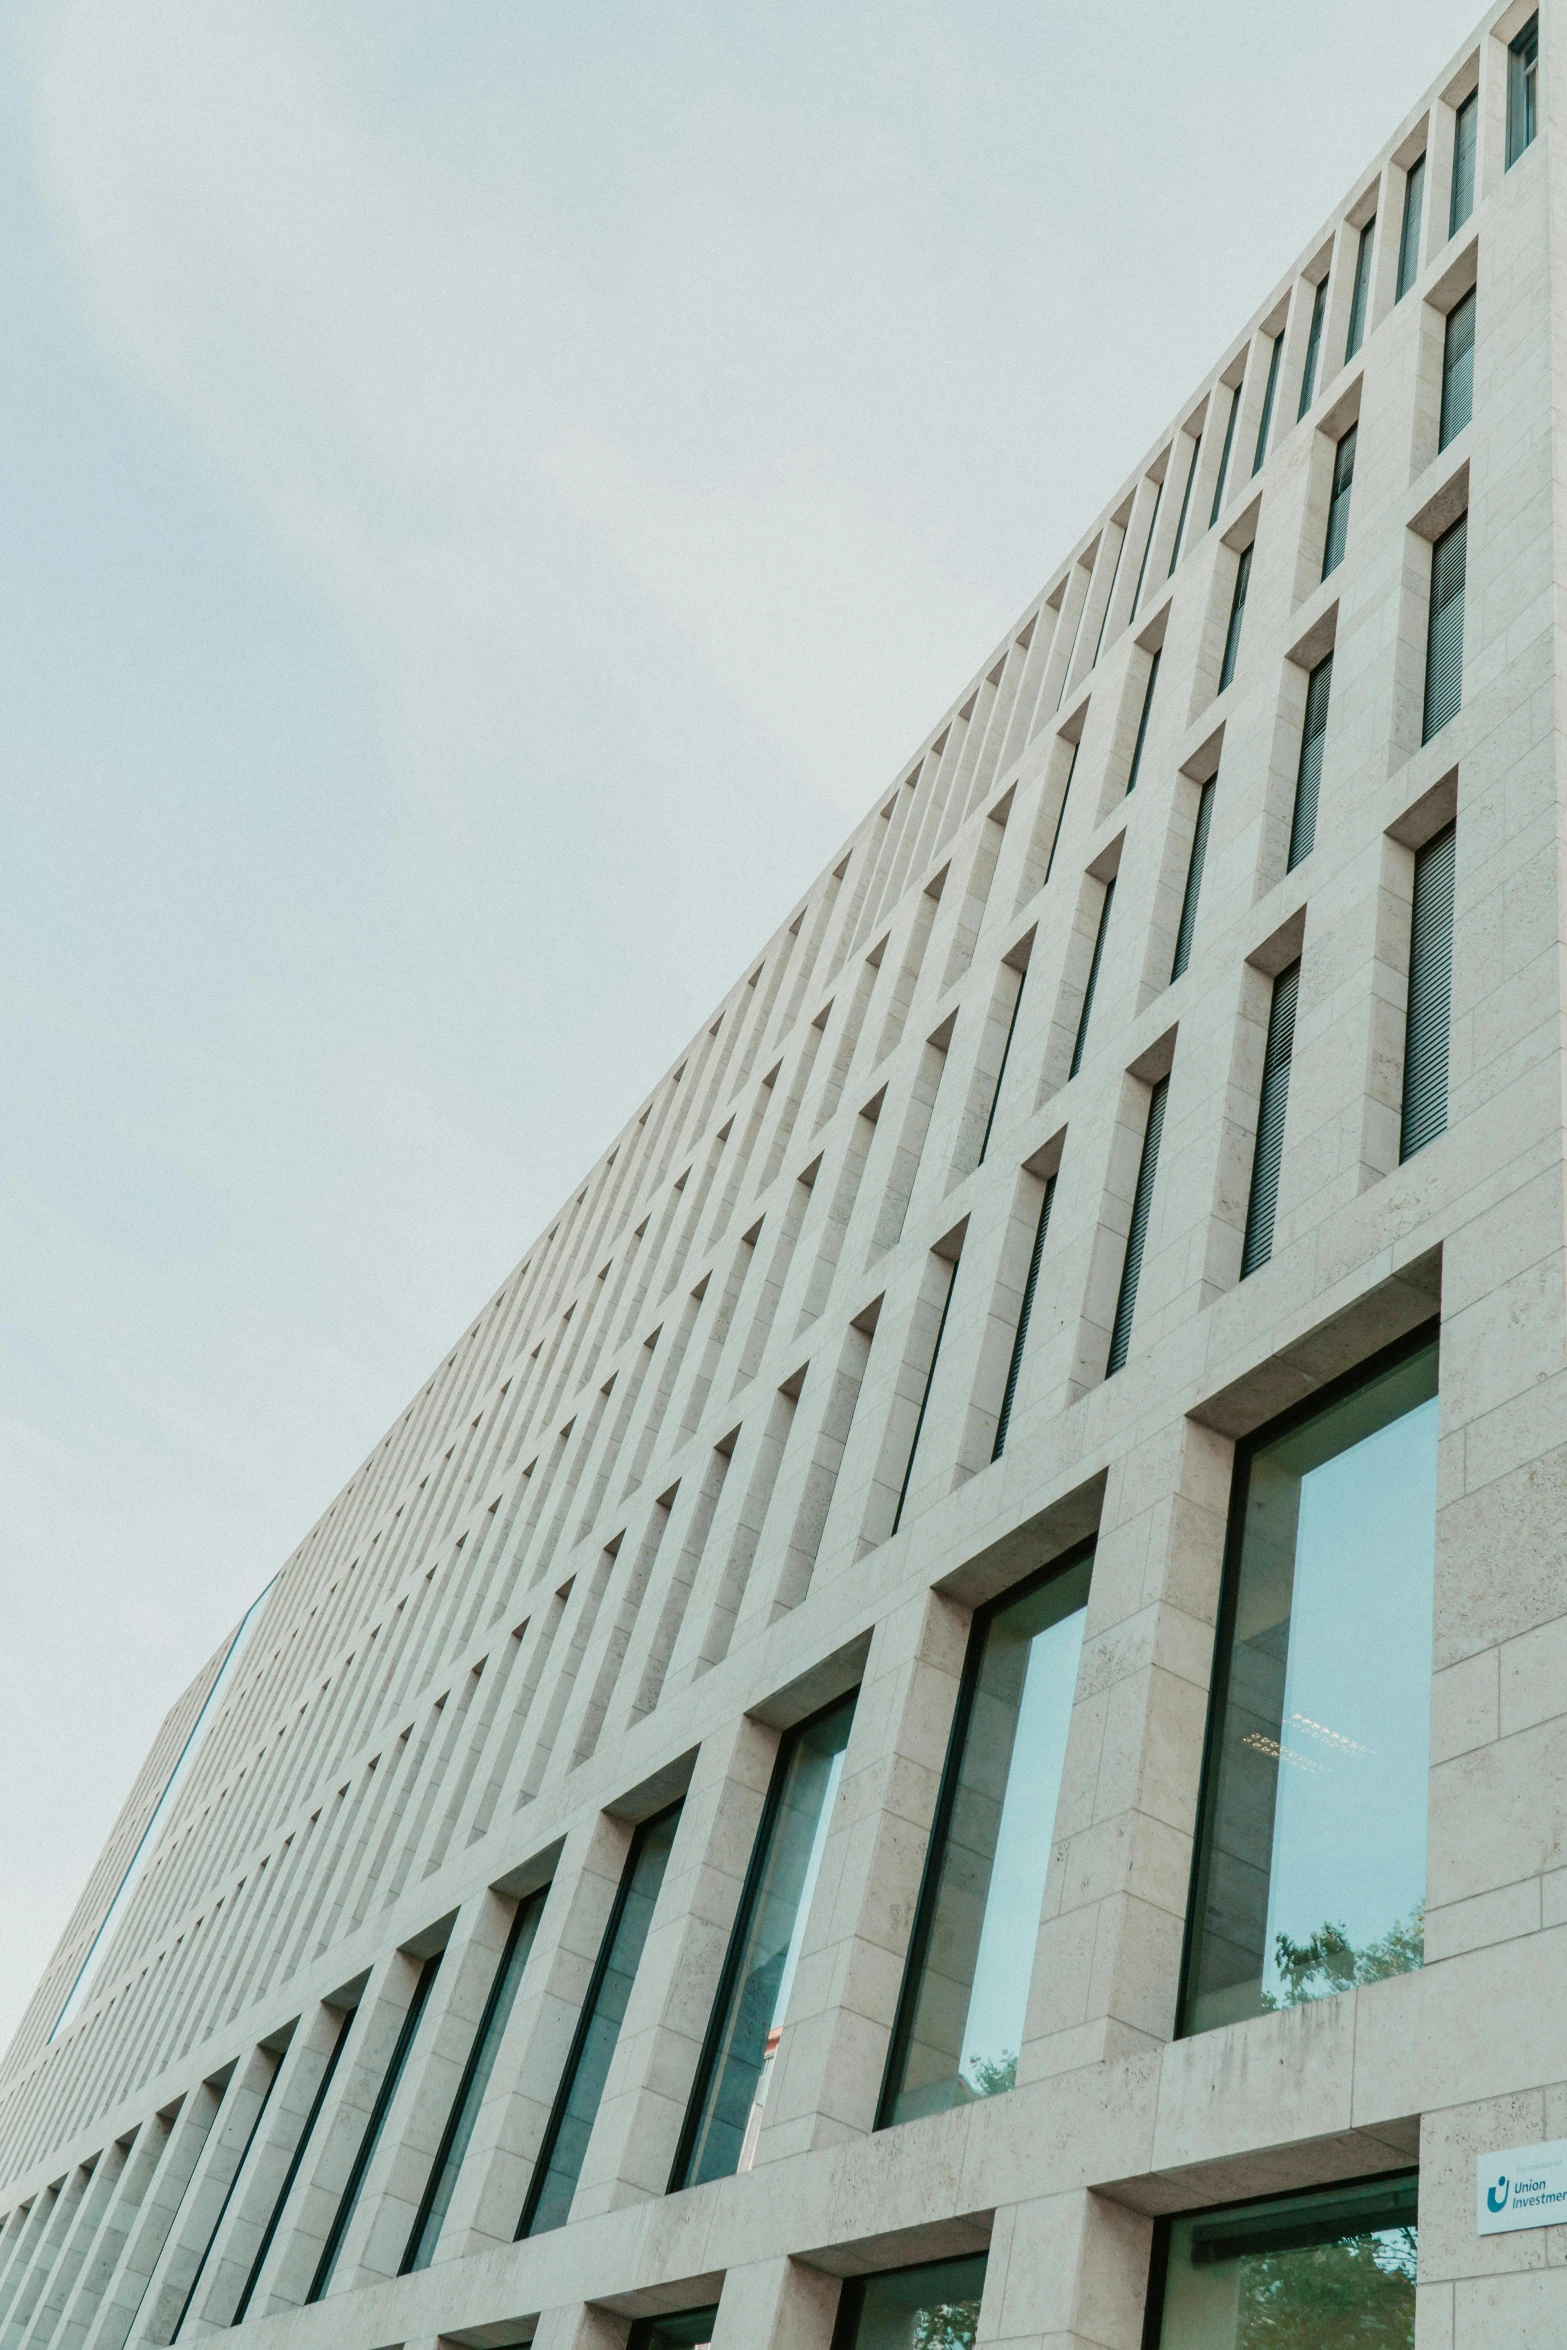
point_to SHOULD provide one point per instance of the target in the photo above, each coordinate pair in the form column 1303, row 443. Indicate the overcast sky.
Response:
column 490, row 492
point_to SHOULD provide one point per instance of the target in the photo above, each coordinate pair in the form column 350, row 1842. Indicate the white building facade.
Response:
column 947, row 1722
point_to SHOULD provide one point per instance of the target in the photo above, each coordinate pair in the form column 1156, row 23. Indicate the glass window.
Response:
column 1308, row 380
column 692, row 2329
column 1308, row 774
column 1224, row 455
column 1186, row 929
column 1137, row 1234
column 295, row 2164
column 1523, row 74
column 1362, row 293
column 1466, row 125
column 1080, row 1041
column 475, row 2080
column 1428, row 1021
column 348, row 2201
column 560, row 2158
column 743, row 2038
column 965, row 1988
column 1311, row 1859
column 1024, row 1312
column 933, row 2307
column 1142, row 723
column 1458, row 368
column 1445, row 629
column 1338, row 502
column 1232, row 634
column 1409, row 233
column 1304, row 2272
column 1268, row 1157
column 1186, row 499
column 1270, row 388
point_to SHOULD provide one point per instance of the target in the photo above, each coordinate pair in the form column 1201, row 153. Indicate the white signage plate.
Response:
column 1521, row 2187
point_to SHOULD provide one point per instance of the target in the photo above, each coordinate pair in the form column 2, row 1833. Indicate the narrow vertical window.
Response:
column 1186, row 499
column 725, row 2113
column 930, row 1381
column 1270, row 388
column 1020, row 1334
column 1006, row 1055
column 1466, row 124
column 961, row 2010
column 348, row 2201
column 1137, row 1233
column 1523, row 73
column 1308, row 773
column 1429, row 1019
column 1409, row 234
column 1224, row 456
column 1232, row 634
column 228, row 2197
column 1336, row 2265
column 570, row 2126
column 1186, row 929
column 1153, row 524
column 295, row 2164
column 1269, row 1154
column 1066, row 794
column 1361, row 297
column 689, row 2329
column 1310, row 1872
column 1142, row 723
column 932, row 2307
column 1338, row 501
column 1080, row 1041
column 1458, row 369
column 1308, row 381
column 475, row 2080
column 1445, row 631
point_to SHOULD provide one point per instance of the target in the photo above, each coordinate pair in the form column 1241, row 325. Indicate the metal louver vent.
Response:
column 1273, row 1102
column 1458, row 369
column 1430, row 996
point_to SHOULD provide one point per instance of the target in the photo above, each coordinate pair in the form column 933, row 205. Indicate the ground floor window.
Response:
column 1301, row 2272
column 932, row 2307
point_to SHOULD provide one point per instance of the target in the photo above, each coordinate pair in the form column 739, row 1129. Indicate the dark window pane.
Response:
column 1137, row 1235
column 347, row 2203
column 1308, row 775
column 1224, row 456
column 1025, row 1310
column 1268, row 1157
column 1271, row 387
column 1142, row 723
column 1362, row 293
column 1187, row 928
column 753, row 1992
column 1445, row 635
column 1466, row 124
column 692, row 2329
column 1523, row 75
column 1080, row 1041
column 960, row 2017
column 1409, row 234
column 1312, row 1854
column 1303, row 2272
column 1232, row 635
column 559, row 2164
column 934, row 2307
column 1308, row 381
column 1338, row 502
column 1458, row 368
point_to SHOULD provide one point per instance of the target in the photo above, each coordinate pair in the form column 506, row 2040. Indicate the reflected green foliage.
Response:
column 988, row 2076
column 1358, row 2294
column 1329, row 1962
column 946, row 2325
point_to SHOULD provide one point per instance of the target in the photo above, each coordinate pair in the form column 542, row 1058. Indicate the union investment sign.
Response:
column 1521, row 2187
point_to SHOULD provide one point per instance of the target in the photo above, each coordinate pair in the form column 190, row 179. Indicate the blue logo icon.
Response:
column 1496, row 2197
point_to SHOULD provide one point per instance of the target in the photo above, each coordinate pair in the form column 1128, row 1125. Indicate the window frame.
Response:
column 1523, row 91
column 1164, row 2229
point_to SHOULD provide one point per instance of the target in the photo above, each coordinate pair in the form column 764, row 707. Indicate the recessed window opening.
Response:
column 1267, row 1159
column 1409, row 233
column 1335, row 2265
column 961, row 2011
column 1080, row 1041
column 1066, row 794
column 1020, row 1335
column 1523, row 75
column 1466, row 127
column 932, row 2307
column 228, row 2197
column 1308, row 773
column 1361, row 296
column 1267, row 401
column 1186, row 928
column 295, row 2163
column 1186, row 499
column 348, row 2201
column 1224, row 455
column 1458, row 369
column 1232, row 633
column 1006, row 1054
column 1137, row 1234
column 739, row 2058
column 1153, row 524
column 1142, row 723
column 1429, row 1020
column 1338, row 501
column 690, row 2329
column 930, row 1381
column 1445, row 631
column 1310, row 1873
column 1308, row 381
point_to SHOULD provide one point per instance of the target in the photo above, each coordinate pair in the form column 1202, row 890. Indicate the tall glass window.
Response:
column 1458, row 368
column 1137, row 1235
column 1080, row 1041
column 1024, row 1314
column 449, row 2155
column 692, row 2329
column 570, row 2126
column 932, row 2307
column 1338, row 502
column 1269, row 389
column 1308, row 380
column 295, row 2164
column 1268, row 1157
column 1523, row 75
column 1186, row 499
column 1409, row 232
column 1335, row 2267
column 1361, row 296
column 1224, row 455
column 1232, row 633
column 1142, row 723
column 1466, row 127
column 348, row 2201
column 1445, row 628
column 1308, row 774
column 743, row 2038
column 1186, row 928
column 1310, row 1873
column 965, row 1988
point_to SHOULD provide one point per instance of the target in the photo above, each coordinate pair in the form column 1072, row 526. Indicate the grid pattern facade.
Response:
column 925, row 1267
